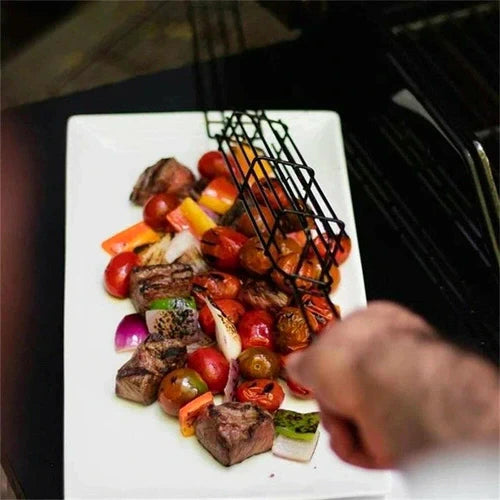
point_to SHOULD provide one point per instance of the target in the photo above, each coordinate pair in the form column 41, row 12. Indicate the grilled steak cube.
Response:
column 165, row 176
column 148, row 283
column 233, row 432
column 139, row 378
column 259, row 294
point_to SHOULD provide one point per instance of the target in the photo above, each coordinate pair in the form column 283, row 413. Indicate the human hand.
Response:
column 388, row 387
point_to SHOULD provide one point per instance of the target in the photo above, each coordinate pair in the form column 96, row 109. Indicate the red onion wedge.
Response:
column 232, row 381
column 131, row 331
column 295, row 449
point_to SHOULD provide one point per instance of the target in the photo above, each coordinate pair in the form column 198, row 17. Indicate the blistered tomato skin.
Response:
column 344, row 249
column 292, row 332
column 212, row 367
column 272, row 191
column 256, row 329
column 254, row 259
column 230, row 307
column 319, row 312
column 265, row 222
column 117, row 274
column 266, row 393
column 221, row 247
column 216, row 285
column 178, row 388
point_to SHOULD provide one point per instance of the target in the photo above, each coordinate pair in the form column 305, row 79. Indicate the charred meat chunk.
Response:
column 233, row 432
column 139, row 378
column 259, row 294
column 148, row 283
column 165, row 176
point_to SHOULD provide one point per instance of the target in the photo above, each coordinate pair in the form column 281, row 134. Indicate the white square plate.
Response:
column 113, row 448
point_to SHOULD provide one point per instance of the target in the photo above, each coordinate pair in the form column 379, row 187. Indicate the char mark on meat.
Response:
column 148, row 283
column 233, row 432
column 139, row 378
column 165, row 176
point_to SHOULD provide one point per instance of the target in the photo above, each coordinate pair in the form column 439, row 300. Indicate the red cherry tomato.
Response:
column 319, row 312
column 117, row 274
column 272, row 191
column 213, row 164
column 264, row 392
column 221, row 247
column 231, row 308
column 255, row 329
column 156, row 209
column 344, row 249
column 215, row 284
column 212, row 366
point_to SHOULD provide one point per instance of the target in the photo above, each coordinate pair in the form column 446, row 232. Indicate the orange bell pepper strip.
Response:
column 190, row 412
column 189, row 215
column 244, row 156
column 127, row 240
column 219, row 195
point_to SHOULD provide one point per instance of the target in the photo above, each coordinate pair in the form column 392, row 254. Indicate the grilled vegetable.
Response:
column 221, row 247
column 231, row 308
column 181, row 243
column 178, row 388
column 219, row 195
column 264, row 392
column 156, row 209
column 292, row 333
column 295, row 449
column 255, row 329
column 216, row 285
column 244, row 155
column 189, row 215
column 156, row 253
column 265, row 222
column 138, row 235
column 319, row 312
column 253, row 258
column 232, row 381
column 289, row 264
column 296, row 425
column 259, row 362
column 344, row 249
column 212, row 366
column 117, row 274
column 228, row 340
column 130, row 333
column 213, row 164
column 169, row 303
column 272, row 191
column 179, row 324
column 190, row 412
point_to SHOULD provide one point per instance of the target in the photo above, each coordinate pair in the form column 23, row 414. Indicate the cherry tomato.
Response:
column 319, row 312
column 213, row 164
column 253, row 258
column 296, row 389
column 156, row 209
column 221, row 247
column 255, row 329
column 272, row 191
column 289, row 245
column 264, row 392
column 292, row 332
column 259, row 362
column 289, row 264
column 344, row 249
column 231, row 308
column 215, row 284
column 178, row 388
column 212, row 366
column 117, row 274
column 244, row 223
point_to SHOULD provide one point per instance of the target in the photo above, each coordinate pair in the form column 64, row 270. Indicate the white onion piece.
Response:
column 203, row 341
column 180, row 244
column 232, row 380
column 295, row 449
column 228, row 339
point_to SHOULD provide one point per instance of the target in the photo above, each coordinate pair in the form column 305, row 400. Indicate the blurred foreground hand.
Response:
column 389, row 388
